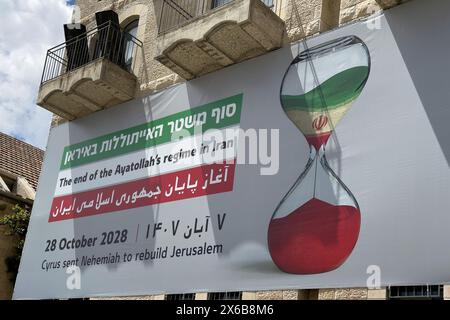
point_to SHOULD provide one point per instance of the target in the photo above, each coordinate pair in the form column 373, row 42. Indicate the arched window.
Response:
column 130, row 32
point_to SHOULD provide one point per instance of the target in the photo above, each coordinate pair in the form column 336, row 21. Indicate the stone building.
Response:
column 20, row 166
column 174, row 41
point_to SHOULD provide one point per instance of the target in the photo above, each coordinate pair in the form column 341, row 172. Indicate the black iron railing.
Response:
column 175, row 13
column 106, row 41
column 269, row 3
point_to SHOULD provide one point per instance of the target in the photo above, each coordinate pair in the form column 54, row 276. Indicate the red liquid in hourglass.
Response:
column 317, row 237
column 318, row 140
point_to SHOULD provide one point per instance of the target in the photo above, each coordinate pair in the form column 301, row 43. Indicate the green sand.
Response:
column 339, row 90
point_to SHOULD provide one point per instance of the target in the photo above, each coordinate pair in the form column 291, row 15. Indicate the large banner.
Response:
column 324, row 164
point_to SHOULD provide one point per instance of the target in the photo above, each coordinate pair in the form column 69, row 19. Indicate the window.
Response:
column 130, row 32
column 182, row 296
column 269, row 3
column 231, row 295
column 218, row 3
column 416, row 292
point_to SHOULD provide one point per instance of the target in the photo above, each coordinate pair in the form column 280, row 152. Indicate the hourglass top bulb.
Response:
column 321, row 84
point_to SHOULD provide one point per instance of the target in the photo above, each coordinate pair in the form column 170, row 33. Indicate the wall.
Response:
column 355, row 9
column 7, row 244
column 306, row 18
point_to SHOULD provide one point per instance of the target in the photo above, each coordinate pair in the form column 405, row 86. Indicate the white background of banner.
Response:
column 165, row 149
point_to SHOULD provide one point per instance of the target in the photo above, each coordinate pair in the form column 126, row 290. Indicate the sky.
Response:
column 28, row 29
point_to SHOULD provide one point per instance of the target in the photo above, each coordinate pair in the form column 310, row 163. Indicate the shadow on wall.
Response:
column 90, row 227
column 420, row 51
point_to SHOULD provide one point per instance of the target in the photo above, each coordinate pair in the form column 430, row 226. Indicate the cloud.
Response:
column 28, row 29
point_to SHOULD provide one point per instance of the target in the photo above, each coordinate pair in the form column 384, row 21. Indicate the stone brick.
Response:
column 57, row 120
column 290, row 294
column 326, row 294
column 302, row 17
column 129, row 298
column 356, row 9
column 269, row 295
column 351, row 294
column 447, row 292
column 248, row 295
column 343, row 294
column 201, row 296
column 377, row 294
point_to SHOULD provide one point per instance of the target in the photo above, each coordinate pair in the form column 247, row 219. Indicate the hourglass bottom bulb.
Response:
column 316, row 238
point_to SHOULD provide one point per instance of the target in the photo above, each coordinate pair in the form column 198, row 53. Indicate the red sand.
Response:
column 317, row 140
column 317, row 237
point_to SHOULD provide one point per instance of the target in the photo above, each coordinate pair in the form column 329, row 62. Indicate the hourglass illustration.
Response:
column 316, row 225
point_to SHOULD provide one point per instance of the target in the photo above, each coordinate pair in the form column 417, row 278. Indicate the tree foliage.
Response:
column 16, row 224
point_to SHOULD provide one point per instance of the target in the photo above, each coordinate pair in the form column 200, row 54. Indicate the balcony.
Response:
column 90, row 72
column 198, row 37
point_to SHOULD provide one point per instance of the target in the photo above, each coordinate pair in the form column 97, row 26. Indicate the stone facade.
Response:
column 343, row 294
column 352, row 294
column 94, row 87
column 306, row 18
column 351, row 10
column 447, row 292
column 237, row 31
column 302, row 18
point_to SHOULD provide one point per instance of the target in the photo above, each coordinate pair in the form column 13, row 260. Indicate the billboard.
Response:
column 323, row 164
